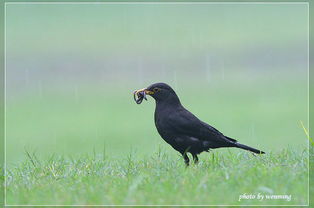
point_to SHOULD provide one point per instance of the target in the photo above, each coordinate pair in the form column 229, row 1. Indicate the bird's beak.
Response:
column 148, row 92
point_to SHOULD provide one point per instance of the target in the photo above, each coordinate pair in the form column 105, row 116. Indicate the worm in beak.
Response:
column 139, row 95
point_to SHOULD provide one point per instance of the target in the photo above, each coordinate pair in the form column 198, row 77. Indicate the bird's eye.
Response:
column 156, row 89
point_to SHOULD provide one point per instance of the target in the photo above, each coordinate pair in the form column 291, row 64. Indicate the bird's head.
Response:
column 161, row 92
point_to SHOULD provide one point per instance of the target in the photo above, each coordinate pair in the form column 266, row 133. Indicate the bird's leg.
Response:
column 186, row 159
column 195, row 158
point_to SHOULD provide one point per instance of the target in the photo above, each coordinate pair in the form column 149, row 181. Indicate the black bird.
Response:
column 183, row 130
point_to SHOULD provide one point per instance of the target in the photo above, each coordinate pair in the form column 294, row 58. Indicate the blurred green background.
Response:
column 71, row 70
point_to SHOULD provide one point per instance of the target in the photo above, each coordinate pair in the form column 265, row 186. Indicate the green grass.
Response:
column 59, row 129
column 219, row 178
column 240, row 68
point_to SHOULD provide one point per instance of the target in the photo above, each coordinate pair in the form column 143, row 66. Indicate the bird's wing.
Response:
column 184, row 122
column 212, row 129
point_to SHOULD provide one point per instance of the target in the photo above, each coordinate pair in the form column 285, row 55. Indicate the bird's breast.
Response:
column 163, row 125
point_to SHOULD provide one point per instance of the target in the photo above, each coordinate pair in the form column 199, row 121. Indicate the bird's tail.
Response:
column 242, row 146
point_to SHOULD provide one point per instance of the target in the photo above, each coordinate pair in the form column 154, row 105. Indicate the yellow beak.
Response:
column 148, row 92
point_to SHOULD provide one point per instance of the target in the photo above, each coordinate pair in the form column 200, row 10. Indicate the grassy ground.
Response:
column 220, row 178
column 70, row 73
column 59, row 130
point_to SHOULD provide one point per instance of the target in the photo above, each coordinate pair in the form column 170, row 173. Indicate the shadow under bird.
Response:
column 180, row 128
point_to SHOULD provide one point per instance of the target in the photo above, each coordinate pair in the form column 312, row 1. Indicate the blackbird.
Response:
column 183, row 130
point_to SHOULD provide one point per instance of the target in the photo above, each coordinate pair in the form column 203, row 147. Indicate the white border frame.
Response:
column 154, row 3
